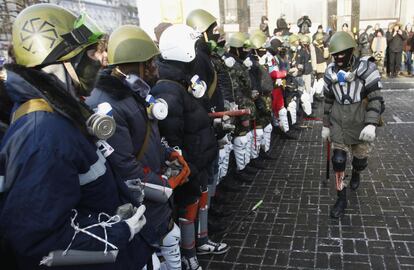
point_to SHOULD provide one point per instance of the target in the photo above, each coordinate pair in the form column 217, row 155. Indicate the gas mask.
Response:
column 101, row 124
column 198, row 87
column 156, row 108
column 229, row 61
column 248, row 62
column 342, row 77
column 87, row 69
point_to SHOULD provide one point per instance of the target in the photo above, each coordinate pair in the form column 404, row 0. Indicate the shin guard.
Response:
column 202, row 230
column 170, row 249
column 267, row 137
column 256, row 143
column 187, row 226
column 240, row 151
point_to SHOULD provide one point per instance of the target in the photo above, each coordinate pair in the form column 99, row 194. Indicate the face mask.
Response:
column 198, row 87
column 343, row 62
column 156, row 108
column 87, row 71
column 101, row 124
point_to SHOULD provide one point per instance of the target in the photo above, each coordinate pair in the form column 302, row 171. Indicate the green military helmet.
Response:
column 293, row 39
column 237, row 40
column 258, row 40
column 46, row 33
column 341, row 41
column 130, row 44
column 305, row 39
column 200, row 20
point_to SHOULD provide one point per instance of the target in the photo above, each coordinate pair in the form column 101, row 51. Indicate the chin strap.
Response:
column 72, row 73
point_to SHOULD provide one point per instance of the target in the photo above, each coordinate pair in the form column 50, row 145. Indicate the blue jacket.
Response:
column 129, row 111
column 49, row 168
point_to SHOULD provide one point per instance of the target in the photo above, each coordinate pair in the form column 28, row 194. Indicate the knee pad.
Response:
column 359, row 164
column 268, row 129
column 339, row 160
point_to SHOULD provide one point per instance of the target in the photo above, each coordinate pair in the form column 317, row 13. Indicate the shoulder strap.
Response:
column 213, row 86
column 32, row 105
column 146, row 140
column 171, row 81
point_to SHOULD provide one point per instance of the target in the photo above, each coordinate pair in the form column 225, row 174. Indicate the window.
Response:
column 230, row 9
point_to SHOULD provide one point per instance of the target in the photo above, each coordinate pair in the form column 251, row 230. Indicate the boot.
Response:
column 265, row 156
column 244, row 179
column 229, row 186
column 356, row 178
column 249, row 170
column 290, row 135
column 255, row 163
column 220, row 199
column 338, row 210
column 219, row 214
column 215, row 226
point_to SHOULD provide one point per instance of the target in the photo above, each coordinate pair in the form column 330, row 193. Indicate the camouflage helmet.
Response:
column 45, row 34
column 293, row 39
column 237, row 40
column 200, row 20
column 130, row 44
column 258, row 40
column 305, row 39
column 341, row 41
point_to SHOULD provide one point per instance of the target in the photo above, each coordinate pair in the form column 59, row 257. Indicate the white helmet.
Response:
column 177, row 43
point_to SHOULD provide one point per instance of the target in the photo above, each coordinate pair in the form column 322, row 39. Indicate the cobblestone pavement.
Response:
column 293, row 230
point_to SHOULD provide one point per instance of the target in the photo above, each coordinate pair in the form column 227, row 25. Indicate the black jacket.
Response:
column 395, row 43
column 131, row 119
column 187, row 125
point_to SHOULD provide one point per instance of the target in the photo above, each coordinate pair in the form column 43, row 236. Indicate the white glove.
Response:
column 326, row 133
column 136, row 222
column 279, row 82
column 368, row 133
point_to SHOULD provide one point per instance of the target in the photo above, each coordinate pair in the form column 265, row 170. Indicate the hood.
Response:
column 18, row 88
column 27, row 83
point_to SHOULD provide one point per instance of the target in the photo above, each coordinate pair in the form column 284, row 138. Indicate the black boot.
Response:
column 265, row 156
column 290, row 135
column 338, row 210
column 214, row 226
column 356, row 178
column 229, row 185
column 219, row 214
column 255, row 163
column 241, row 178
column 249, row 170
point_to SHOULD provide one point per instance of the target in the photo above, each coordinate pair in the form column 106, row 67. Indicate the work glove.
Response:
column 279, row 82
column 136, row 222
column 182, row 177
column 306, row 103
column 368, row 133
column 326, row 134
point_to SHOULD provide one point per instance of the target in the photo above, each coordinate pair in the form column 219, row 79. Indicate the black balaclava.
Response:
column 346, row 60
column 238, row 52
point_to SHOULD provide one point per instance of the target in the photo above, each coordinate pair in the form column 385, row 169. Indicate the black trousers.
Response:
column 395, row 62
